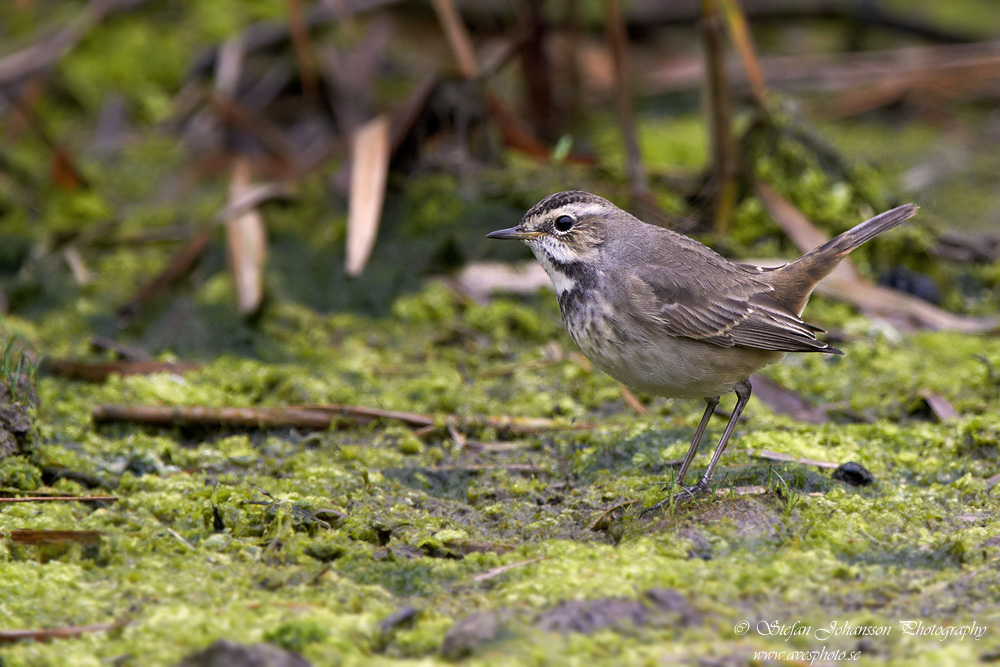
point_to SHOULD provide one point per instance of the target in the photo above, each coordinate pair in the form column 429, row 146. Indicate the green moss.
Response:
column 667, row 142
column 395, row 520
column 311, row 540
column 833, row 193
column 90, row 74
column 502, row 318
column 297, row 636
column 437, row 304
column 17, row 473
column 433, row 204
column 163, row 44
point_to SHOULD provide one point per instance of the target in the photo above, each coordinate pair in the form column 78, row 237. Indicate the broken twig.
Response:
column 99, row 371
column 632, row 401
column 526, row 468
column 54, row 537
column 309, row 416
column 458, row 37
column 59, row 499
column 66, row 632
column 497, row 571
column 780, row 457
column 155, row 415
column 180, row 265
column 739, row 34
column 606, row 513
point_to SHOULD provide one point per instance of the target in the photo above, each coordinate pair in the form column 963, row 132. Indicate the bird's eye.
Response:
column 564, row 223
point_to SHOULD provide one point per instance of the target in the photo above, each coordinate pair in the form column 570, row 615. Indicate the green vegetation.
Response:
column 312, row 540
column 323, row 535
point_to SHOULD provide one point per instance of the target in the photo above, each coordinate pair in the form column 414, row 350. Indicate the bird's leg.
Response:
column 712, row 401
column 742, row 397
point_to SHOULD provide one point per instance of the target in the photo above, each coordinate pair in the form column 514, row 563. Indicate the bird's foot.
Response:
column 685, row 493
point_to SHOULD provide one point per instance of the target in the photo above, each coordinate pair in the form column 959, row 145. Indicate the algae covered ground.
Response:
column 383, row 544
column 467, row 541
column 376, row 545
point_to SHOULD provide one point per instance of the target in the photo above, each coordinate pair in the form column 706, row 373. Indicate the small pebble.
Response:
column 854, row 474
column 468, row 634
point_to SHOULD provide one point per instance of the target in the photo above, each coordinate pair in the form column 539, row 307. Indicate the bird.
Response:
column 667, row 315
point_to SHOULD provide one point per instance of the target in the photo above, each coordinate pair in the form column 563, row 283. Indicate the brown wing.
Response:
column 731, row 308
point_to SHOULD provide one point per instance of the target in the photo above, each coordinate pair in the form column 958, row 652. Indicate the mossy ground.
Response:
column 311, row 540
column 323, row 535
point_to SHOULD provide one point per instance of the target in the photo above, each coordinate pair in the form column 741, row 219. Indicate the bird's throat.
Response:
column 567, row 273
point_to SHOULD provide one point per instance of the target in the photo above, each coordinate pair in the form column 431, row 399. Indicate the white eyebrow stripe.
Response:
column 579, row 210
column 575, row 209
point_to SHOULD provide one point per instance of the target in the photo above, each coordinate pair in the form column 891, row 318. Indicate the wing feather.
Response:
column 731, row 308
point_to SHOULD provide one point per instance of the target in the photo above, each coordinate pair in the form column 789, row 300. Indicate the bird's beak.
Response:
column 513, row 234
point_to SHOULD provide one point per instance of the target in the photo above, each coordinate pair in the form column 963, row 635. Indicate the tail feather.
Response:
column 795, row 281
column 828, row 254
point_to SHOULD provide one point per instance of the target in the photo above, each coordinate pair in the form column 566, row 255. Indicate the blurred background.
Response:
column 169, row 169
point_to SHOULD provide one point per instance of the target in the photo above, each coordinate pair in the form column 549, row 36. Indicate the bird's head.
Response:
column 564, row 228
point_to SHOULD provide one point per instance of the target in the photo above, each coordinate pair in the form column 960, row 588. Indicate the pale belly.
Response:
column 661, row 364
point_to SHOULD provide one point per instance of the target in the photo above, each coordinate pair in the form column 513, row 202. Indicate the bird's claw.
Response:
column 685, row 493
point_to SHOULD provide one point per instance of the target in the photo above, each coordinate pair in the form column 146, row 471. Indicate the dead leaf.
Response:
column 785, row 401
column 939, row 405
column 479, row 280
column 81, row 275
column 65, row 174
column 247, row 243
column 369, row 171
